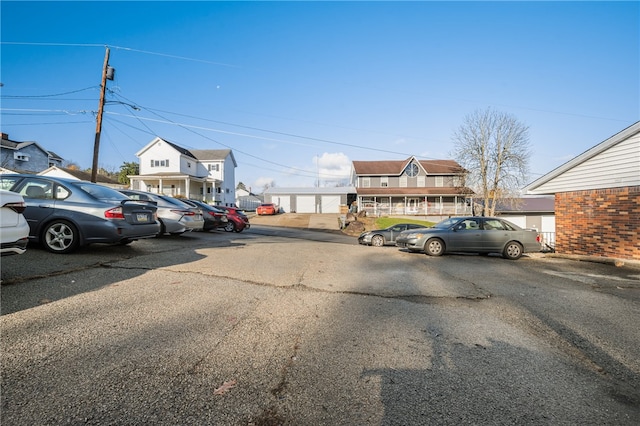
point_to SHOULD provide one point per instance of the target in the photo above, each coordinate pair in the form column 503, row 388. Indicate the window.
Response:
column 439, row 181
column 422, row 181
column 366, row 182
column 403, row 182
column 384, row 182
column 411, row 170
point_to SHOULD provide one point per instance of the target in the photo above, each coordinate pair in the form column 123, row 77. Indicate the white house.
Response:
column 166, row 168
column 80, row 175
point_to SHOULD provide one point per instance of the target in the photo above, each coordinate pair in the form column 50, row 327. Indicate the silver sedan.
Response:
column 472, row 234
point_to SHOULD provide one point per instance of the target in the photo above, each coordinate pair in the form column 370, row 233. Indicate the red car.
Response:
column 237, row 220
column 266, row 208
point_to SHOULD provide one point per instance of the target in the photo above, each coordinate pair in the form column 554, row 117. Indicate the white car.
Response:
column 14, row 229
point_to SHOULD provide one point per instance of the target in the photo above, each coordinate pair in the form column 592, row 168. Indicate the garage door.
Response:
column 306, row 204
column 330, row 204
column 283, row 201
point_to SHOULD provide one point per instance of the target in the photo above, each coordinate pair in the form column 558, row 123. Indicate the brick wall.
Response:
column 603, row 222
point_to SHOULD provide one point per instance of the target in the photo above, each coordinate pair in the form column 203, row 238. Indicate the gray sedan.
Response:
column 64, row 214
column 175, row 217
column 472, row 234
column 387, row 236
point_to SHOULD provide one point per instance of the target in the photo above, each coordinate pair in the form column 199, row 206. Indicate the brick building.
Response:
column 597, row 198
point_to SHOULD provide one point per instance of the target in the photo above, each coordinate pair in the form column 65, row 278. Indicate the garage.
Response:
column 330, row 204
column 306, row 204
column 282, row 201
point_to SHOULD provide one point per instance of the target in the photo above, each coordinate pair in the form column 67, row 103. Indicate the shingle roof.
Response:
column 396, row 167
column 210, row 154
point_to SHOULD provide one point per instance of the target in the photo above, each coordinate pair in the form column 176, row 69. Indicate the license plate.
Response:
column 142, row 217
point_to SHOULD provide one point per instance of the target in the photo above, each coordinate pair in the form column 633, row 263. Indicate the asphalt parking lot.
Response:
column 290, row 326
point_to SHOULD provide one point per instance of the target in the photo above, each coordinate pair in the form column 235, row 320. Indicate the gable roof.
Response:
column 213, row 155
column 396, row 167
column 80, row 175
column 632, row 158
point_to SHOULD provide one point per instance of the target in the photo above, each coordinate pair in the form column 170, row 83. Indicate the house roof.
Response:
column 80, row 175
column 585, row 156
column 396, row 167
column 213, row 155
column 527, row 205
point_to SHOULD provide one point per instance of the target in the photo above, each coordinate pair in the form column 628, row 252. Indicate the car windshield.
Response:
column 447, row 223
column 101, row 192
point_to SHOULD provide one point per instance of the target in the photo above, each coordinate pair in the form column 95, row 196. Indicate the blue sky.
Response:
column 298, row 90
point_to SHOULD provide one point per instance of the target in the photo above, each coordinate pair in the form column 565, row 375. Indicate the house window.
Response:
column 188, row 164
column 214, row 167
column 439, row 181
column 384, row 181
column 422, row 181
column 403, row 182
column 151, row 163
column 366, row 182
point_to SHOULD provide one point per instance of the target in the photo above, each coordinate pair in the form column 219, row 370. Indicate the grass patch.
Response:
column 385, row 222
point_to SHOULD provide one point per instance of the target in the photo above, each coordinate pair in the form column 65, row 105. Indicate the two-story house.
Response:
column 166, row 168
column 26, row 157
column 411, row 187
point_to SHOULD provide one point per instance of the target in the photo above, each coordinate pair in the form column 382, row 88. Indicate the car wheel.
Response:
column 512, row 251
column 377, row 241
column 230, row 227
column 163, row 229
column 60, row 237
column 434, row 247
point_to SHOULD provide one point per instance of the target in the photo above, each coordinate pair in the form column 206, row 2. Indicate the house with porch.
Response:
column 203, row 174
column 431, row 188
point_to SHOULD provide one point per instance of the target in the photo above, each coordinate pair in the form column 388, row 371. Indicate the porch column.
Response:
column 160, row 186
column 441, row 205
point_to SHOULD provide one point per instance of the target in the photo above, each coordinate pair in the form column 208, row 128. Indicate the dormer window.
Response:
column 411, row 170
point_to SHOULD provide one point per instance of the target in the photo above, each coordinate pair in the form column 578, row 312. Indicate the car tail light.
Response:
column 17, row 207
column 114, row 213
column 184, row 212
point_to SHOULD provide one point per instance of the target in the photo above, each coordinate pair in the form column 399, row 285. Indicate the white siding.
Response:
column 617, row 166
column 282, row 201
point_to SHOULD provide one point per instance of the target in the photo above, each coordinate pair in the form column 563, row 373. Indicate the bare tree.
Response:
column 494, row 148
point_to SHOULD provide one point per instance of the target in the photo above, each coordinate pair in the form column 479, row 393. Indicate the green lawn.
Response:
column 385, row 222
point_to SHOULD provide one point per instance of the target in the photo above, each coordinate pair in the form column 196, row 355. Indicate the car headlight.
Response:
column 416, row 235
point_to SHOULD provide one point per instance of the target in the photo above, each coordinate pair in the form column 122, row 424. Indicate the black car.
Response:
column 64, row 214
column 214, row 218
column 387, row 236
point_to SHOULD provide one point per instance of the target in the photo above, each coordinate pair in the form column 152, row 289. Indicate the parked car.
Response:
column 387, row 236
column 175, row 216
column 472, row 234
column 238, row 220
column 64, row 214
column 14, row 227
column 214, row 218
column 266, row 208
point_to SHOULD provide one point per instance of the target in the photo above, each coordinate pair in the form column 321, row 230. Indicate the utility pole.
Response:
column 96, row 144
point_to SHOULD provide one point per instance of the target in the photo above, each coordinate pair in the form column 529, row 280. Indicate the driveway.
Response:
column 290, row 326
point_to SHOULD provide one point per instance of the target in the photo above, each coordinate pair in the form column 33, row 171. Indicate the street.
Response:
column 285, row 326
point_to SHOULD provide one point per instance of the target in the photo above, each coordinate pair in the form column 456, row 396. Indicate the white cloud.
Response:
column 333, row 168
